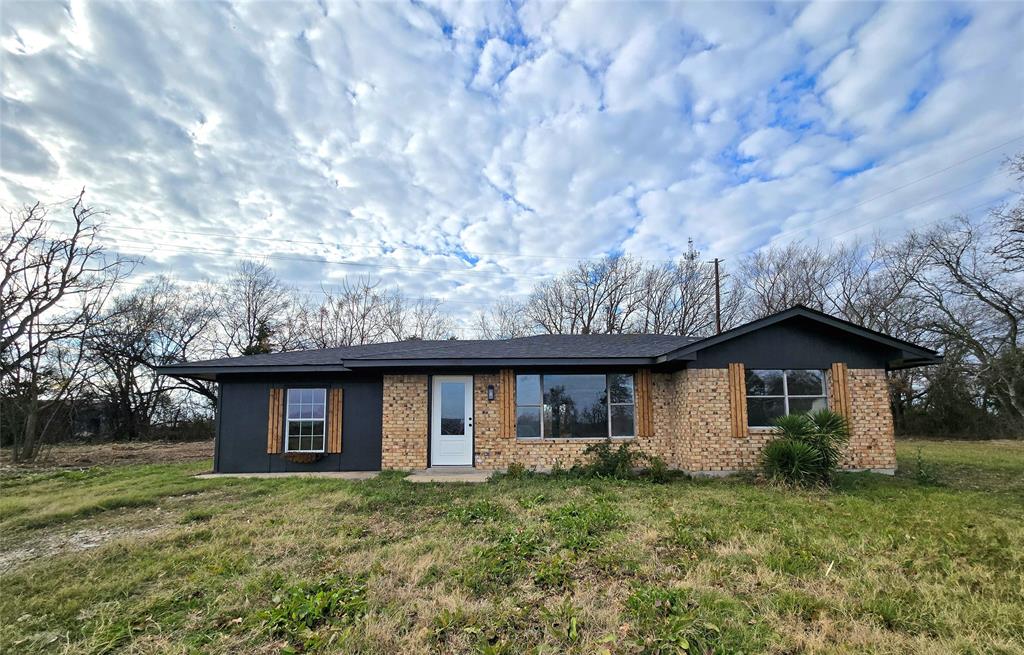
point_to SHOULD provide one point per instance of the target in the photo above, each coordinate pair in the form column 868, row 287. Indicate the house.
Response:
column 703, row 405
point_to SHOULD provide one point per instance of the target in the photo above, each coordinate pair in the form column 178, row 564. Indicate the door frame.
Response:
column 433, row 414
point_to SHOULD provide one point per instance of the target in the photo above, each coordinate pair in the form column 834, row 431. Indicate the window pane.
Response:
column 807, row 382
column 317, row 427
column 293, row 443
column 453, row 408
column 575, row 406
column 764, row 382
column 620, row 385
column 527, row 422
column 319, row 396
column 316, row 411
column 305, row 443
column 763, row 411
column 622, row 421
column 527, row 389
column 317, row 443
column 805, row 405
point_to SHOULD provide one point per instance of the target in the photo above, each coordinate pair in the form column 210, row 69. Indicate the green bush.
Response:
column 657, row 470
column 808, row 448
column 607, row 461
column 790, row 460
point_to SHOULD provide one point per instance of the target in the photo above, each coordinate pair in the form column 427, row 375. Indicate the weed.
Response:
column 197, row 516
column 553, row 572
column 480, row 511
column 300, row 610
column 562, row 623
column 580, row 527
column 924, row 472
column 669, row 621
column 447, row 623
column 503, row 561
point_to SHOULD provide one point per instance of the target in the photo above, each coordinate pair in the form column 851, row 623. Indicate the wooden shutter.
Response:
column 644, row 403
column 840, row 390
column 334, row 420
column 507, row 402
column 738, row 400
column 275, row 421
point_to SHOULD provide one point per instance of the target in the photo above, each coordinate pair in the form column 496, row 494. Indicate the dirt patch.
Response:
column 58, row 543
column 84, row 455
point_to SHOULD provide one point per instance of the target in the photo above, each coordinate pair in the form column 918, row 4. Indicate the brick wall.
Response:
column 872, row 439
column 706, row 443
column 404, row 425
column 691, row 426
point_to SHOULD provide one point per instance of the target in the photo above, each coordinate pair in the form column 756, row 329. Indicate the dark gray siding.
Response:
column 242, row 424
column 797, row 343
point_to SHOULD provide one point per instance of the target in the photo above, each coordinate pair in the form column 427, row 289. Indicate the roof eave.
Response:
column 205, row 372
column 469, row 362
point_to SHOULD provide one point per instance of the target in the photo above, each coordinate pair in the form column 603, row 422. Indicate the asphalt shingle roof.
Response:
column 548, row 346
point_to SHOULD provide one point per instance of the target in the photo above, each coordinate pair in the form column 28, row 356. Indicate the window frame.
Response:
column 289, row 420
column 785, row 392
column 608, row 407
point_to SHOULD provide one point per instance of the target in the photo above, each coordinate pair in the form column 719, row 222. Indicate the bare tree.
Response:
column 52, row 284
column 593, row 297
column 679, row 297
column 975, row 295
column 158, row 324
column 353, row 314
column 53, row 287
column 254, row 311
column 505, row 319
column 422, row 318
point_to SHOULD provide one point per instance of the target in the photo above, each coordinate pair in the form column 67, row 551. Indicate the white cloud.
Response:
column 413, row 137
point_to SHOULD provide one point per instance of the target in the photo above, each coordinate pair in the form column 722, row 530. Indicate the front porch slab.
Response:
column 449, row 474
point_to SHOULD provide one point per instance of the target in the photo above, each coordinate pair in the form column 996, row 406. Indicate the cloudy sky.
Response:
column 465, row 151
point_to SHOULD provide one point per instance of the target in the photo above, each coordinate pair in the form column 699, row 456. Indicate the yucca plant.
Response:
column 808, row 448
column 792, row 461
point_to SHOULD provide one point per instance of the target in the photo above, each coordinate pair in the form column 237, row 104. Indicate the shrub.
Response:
column 516, row 471
column 790, row 460
column 607, row 461
column 808, row 448
column 657, row 470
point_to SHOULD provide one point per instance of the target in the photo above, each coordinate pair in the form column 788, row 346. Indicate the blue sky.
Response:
column 467, row 150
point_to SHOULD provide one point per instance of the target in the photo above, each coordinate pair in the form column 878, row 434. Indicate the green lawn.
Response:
column 146, row 559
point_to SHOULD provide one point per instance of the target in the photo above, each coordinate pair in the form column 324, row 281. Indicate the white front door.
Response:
column 451, row 421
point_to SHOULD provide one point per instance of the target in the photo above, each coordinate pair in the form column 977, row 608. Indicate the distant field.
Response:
column 143, row 558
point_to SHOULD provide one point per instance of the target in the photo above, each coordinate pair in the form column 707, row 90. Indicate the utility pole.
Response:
column 718, row 299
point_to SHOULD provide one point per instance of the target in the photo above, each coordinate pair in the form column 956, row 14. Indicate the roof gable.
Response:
column 911, row 354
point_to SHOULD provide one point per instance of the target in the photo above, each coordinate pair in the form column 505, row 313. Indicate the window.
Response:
column 772, row 393
column 304, row 422
column 575, row 406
